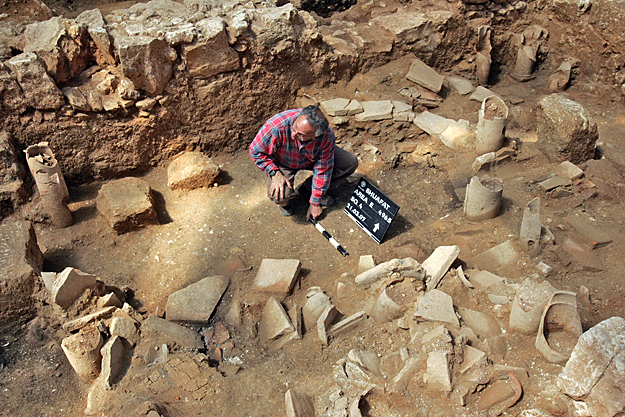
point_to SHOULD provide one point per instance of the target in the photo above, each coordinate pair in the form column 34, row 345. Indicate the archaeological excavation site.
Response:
column 471, row 265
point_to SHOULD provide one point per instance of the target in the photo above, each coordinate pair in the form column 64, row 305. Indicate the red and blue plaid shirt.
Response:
column 274, row 146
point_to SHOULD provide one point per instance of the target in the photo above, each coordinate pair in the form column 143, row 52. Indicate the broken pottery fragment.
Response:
column 435, row 305
column 277, row 275
column 316, row 303
column 531, row 227
column 483, row 198
column 298, row 405
column 425, row 76
column 347, row 323
column 69, row 285
column 83, row 352
column 483, row 59
column 438, row 372
column 496, row 257
column 196, row 302
column 559, row 80
column 324, row 322
column 407, row 267
column 112, row 360
column 491, row 125
column 560, row 327
column 483, row 324
column 438, row 263
column 274, row 322
column 502, row 394
column 528, row 306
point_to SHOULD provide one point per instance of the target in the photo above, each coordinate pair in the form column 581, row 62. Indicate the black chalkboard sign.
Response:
column 371, row 210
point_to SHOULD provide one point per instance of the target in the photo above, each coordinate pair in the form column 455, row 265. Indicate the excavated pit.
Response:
column 283, row 59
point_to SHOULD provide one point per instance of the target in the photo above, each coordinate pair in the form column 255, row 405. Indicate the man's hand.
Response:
column 278, row 184
column 314, row 212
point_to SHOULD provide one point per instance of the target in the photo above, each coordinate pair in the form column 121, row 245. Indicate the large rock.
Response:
column 12, row 98
column 595, row 372
column 192, row 170
column 565, row 129
column 39, row 89
column 61, row 44
column 20, row 263
column 126, row 204
column 211, row 54
column 94, row 21
column 146, row 61
column 196, row 302
column 12, row 190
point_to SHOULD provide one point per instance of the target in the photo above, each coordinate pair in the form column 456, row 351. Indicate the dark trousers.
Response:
column 345, row 164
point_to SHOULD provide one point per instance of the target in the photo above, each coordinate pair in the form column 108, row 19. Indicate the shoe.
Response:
column 304, row 192
column 327, row 201
column 285, row 210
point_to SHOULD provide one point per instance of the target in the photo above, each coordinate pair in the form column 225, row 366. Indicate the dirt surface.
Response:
column 229, row 229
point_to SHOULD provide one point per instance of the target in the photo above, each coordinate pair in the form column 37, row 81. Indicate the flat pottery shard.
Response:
column 274, row 322
column 483, row 324
column 368, row 360
column 438, row 263
column 298, row 405
column 277, row 275
column 435, row 305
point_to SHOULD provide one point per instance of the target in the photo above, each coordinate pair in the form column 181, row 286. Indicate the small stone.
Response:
column 112, row 360
column 192, row 170
column 125, row 328
column 274, row 322
column 544, row 269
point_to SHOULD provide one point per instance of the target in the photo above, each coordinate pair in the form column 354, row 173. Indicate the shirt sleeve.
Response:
column 322, row 170
column 262, row 147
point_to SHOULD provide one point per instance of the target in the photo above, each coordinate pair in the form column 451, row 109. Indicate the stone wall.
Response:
column 115, row 94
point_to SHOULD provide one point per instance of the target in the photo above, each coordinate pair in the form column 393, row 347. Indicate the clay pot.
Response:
column 50, row 183
column 83, row 352
column 483, row 199
column 491, row 125
column 560, row 327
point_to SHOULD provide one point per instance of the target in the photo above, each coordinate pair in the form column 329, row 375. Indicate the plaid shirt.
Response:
column 273, row 146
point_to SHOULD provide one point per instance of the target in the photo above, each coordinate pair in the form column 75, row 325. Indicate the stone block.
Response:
column 211, row 54
column 566, row 131
column 438, row 373
column 460, row 85
column 435, row 305
column 12, row 99
column 438, row 263
column 69, row 285
column 595, row 371
column 276, row 275
column 335, row 106
column 275, row 322
column 496, row 257
column 375, row 111
column 192, row 170
column 113, row 353
column 425, row 76
column 196, row 302
column 146, row 61
column 483, row 324
column 40, row 91
column 20, row 263
column 124, row 328
column 170, row 333
column 126, row 204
